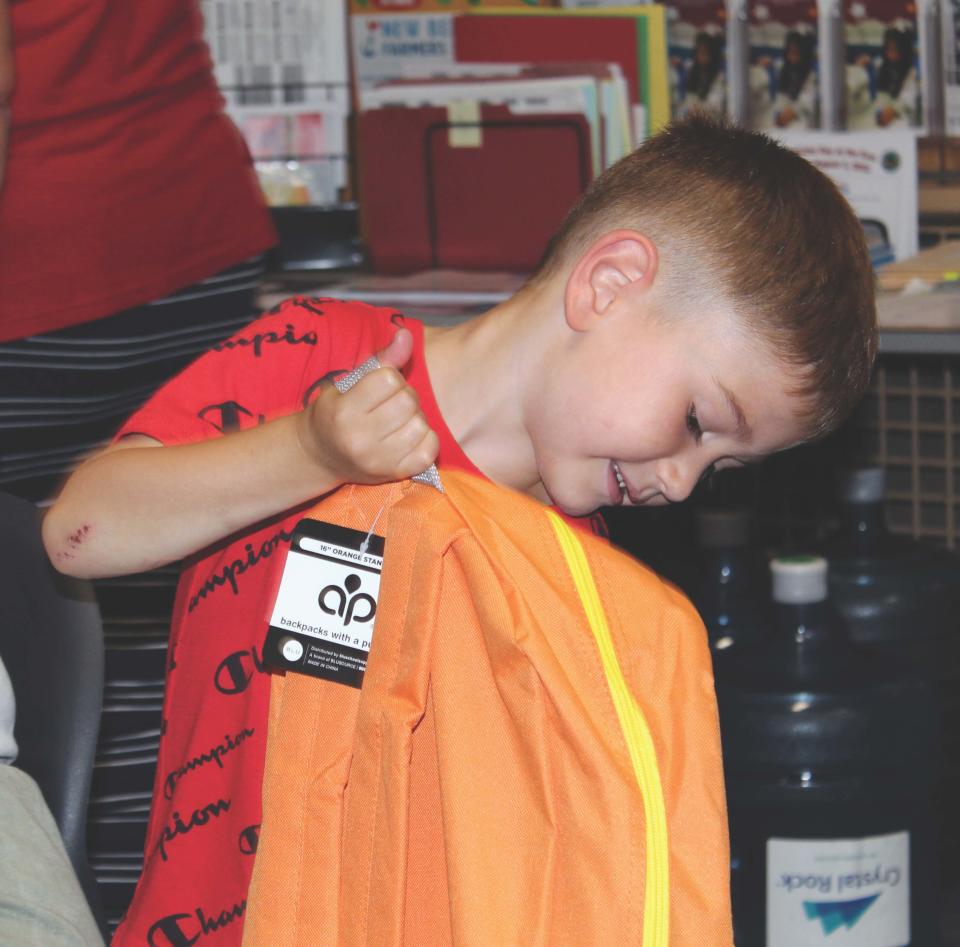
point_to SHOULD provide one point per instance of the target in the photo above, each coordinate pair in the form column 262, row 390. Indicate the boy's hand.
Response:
column 375, row 432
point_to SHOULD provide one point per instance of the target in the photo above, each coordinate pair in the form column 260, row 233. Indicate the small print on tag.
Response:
column 323, row 618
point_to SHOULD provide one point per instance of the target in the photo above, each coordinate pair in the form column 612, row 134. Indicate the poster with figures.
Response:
column 782, row 73
column 282, row 68
column 883, row 87
column 950, row 34
column 696, row 33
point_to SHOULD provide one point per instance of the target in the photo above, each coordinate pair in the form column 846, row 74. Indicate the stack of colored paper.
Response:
column 633, row 37
column 474, row 163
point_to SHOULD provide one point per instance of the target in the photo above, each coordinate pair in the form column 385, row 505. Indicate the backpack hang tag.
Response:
column 323, row 617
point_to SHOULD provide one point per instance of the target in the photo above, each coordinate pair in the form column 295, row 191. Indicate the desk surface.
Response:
column 921, row 323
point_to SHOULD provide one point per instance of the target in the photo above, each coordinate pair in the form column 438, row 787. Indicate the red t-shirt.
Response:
column 205, row 815
column 124, row 180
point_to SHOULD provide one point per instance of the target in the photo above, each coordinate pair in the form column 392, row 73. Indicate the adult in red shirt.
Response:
column 131, row 233
column 130, row 222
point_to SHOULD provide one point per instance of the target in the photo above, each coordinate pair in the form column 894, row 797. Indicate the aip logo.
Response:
column 836, row 914
column 345, row 601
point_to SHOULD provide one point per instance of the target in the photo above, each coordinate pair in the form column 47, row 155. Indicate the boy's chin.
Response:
column 567, row 501
column 569, row 506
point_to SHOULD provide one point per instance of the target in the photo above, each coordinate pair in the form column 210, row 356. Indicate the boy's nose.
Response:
column 676, row 478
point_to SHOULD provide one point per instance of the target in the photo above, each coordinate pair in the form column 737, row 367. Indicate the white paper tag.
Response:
column 465, row 129
column 324, row 615
column 839, row 892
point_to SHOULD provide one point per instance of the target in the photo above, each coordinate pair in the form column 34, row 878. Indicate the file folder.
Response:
column 485, row 193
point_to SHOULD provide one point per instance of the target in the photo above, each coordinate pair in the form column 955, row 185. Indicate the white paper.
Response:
column 875, row 171
column 326, row 599
column 384, row 45
column 276, row 52
column 282, row 68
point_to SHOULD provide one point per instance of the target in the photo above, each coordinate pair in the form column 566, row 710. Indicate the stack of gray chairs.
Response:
column 136, row 623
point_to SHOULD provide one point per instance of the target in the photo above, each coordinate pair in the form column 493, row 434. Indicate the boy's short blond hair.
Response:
column 742, row 220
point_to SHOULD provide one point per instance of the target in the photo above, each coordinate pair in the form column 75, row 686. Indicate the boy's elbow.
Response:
column 64, row 545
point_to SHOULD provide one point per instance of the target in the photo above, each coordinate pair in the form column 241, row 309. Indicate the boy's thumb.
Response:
column 398, row 352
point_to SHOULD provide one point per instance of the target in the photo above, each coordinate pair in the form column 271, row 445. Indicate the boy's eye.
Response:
column 693, row 424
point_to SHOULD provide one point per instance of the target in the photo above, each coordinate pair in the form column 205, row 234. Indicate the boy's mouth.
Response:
column 617, row 485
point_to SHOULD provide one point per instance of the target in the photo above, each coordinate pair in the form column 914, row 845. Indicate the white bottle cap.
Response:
column 717, row 529
column 799, row 580
column 863, row 485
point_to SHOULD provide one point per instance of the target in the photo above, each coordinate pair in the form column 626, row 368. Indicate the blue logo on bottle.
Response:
column 836, row 914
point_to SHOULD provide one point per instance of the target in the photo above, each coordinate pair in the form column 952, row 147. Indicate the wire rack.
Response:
column 907, row 425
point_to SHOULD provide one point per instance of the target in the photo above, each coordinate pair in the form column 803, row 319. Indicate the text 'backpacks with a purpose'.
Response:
column 533, row 757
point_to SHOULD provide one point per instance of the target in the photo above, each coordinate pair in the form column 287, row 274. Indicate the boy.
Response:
column 709, row 301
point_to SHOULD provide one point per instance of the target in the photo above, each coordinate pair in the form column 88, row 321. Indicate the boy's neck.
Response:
column 480, row 371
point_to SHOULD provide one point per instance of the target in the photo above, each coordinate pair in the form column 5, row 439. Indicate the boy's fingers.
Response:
column 383, row 383
column 420, row 457
column 406, row 437
column 375, row 389
column 398, row 352
column 399, row 409
column 408, row 444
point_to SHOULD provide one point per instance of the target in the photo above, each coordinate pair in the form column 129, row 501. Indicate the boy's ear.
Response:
column 622, row 261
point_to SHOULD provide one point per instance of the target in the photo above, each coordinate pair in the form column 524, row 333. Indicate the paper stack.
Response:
column 475, row 163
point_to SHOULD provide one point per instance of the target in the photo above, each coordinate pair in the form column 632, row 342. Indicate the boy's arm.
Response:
column 139, row 504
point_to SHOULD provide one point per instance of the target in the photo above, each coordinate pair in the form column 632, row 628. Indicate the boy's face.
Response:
column 637, row 409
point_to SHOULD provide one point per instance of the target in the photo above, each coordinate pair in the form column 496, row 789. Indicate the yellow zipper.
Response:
column 643, row 755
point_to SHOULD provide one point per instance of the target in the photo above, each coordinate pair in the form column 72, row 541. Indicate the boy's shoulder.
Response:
column 341, row 333
column 325, row 312
column 271, row 367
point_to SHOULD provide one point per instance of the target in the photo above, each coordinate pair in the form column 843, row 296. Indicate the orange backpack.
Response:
column 533, row 757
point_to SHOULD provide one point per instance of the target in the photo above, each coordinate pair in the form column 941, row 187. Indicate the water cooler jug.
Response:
column 829, row 751
column 729, row 585
column 903, row 596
